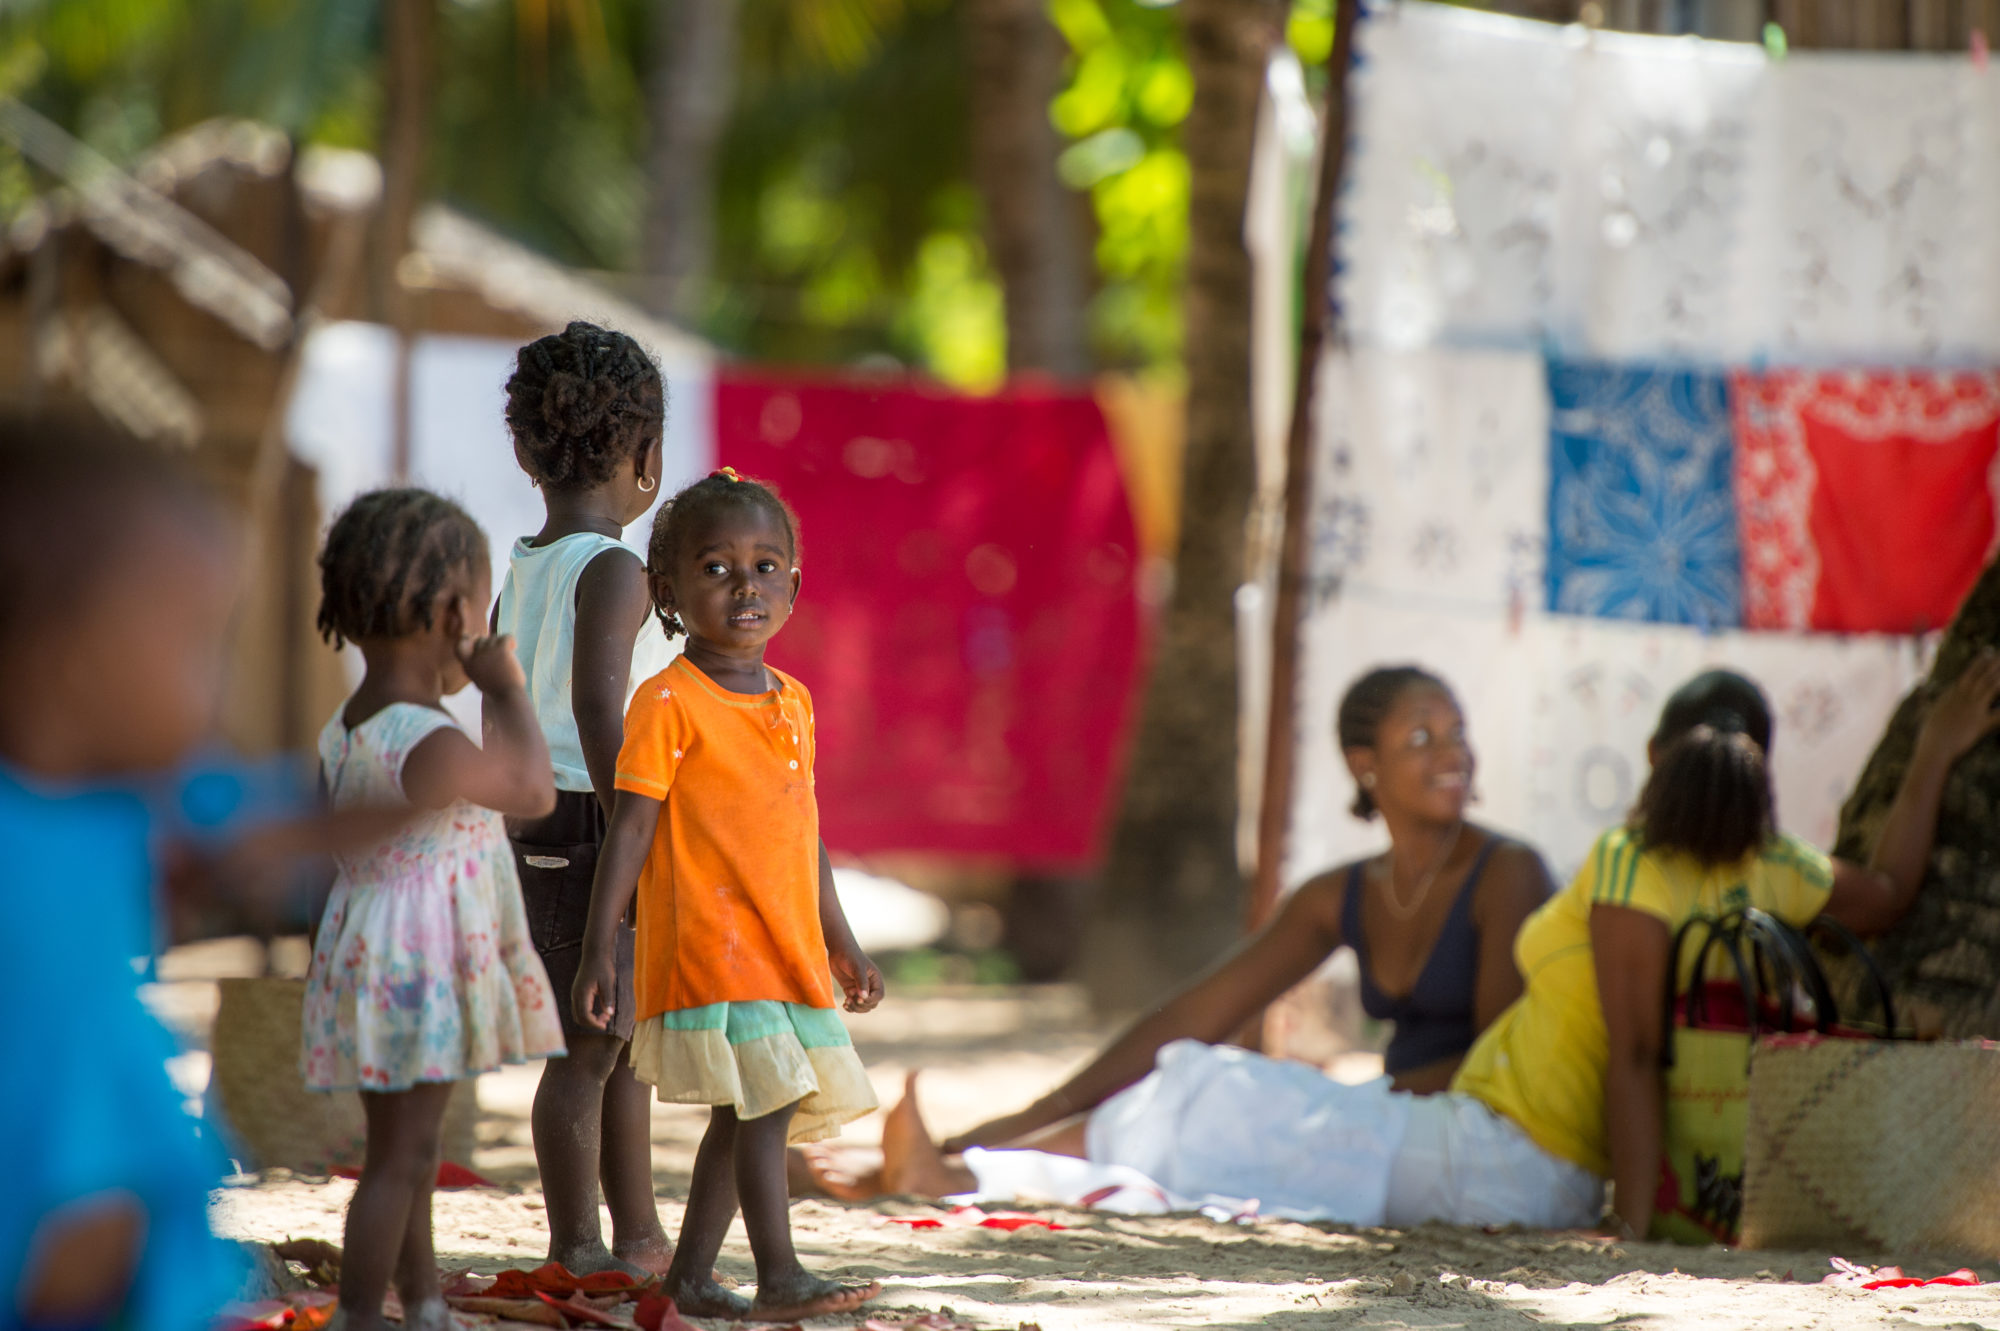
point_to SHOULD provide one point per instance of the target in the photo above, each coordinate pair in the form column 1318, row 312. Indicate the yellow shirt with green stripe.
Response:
column 1542, row 1061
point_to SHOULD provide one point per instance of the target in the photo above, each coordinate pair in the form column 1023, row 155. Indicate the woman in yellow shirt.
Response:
column 1564, row 1088
column 1576, row 1063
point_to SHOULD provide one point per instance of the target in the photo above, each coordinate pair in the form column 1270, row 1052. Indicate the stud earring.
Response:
column 1368, row 781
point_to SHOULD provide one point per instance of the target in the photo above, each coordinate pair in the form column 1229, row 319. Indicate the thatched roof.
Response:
column 136, row 216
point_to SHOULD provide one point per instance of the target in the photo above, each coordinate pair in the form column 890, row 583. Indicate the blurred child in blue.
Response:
column 117, row 575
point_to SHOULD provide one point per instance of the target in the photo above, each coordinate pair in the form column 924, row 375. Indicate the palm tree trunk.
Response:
column 1034, row 230
column 1173, row 890
column 1942, row 960
column 692, row 89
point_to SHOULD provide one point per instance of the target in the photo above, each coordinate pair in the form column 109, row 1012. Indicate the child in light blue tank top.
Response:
column 587, row 409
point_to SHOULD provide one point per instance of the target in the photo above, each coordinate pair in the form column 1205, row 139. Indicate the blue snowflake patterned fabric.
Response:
column 1642, row 508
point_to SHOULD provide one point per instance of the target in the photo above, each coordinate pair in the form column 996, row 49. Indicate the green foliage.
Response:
column 1127, row 92
column 1309, row 31
column 539, row 128
column 847, row 228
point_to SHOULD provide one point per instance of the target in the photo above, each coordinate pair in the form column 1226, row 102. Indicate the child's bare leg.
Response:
column 569, row 1121
column 625, row 1165
column 396, row 1176
column 416, row 1261
column 711, row 1206
column 786, row 1291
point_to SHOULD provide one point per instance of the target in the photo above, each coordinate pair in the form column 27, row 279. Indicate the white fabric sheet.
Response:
column 1621, row 196
column 1432, row 479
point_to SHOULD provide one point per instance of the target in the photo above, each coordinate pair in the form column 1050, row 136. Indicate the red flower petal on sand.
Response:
column 454, row 1175
column 548, row 1278
column 577, row 1308
column 915, row 1221
column 264, row 1315
column 656, row 1312
column 515, row 1312
column 1901, row 1281
column 1013, row 1220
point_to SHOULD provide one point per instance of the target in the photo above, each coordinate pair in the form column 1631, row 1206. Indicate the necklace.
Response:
column 1389, row 897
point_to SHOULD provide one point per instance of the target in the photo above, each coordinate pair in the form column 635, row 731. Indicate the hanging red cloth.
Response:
column 1865, row 497
column 969, row 625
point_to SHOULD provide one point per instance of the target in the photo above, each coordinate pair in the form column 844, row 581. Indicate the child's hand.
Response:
column 592, row 997
column 490, row 663
column 860, row 979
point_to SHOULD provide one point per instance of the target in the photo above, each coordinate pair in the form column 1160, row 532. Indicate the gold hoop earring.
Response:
column 647, row 485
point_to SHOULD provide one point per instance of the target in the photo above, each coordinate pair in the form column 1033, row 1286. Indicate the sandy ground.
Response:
column 986, row 1052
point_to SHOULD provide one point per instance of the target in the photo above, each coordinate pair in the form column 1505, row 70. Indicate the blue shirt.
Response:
column 88, row 1106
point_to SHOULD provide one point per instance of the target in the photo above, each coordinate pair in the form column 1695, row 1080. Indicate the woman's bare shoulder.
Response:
column 1324, row 893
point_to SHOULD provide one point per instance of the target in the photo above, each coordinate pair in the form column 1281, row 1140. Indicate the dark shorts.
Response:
column 557, row 859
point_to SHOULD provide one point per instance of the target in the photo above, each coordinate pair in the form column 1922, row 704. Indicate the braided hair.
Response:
column 581, row 403
column 1358, row 723
column 386, row 560
column 694, row 508
column 1709, row 793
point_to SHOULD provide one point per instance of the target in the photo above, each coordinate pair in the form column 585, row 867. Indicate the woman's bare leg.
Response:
column 914, row 1165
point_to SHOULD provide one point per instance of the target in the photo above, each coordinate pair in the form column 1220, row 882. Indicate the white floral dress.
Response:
column 422, row 970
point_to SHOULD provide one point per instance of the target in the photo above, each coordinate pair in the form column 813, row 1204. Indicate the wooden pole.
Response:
column 1320, row 321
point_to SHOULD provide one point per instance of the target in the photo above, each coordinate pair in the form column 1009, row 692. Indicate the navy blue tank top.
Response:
column 1434, row 1020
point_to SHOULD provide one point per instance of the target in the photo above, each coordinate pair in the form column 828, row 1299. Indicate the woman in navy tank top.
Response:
column 1432, row 919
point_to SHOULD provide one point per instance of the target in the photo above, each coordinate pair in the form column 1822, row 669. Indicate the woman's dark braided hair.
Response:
column 582, row 403
column 387, row 558
column 1709, row 793
column 1362, row 708
column 690, row 513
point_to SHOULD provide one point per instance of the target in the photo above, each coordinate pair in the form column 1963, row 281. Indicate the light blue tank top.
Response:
column 538, row 606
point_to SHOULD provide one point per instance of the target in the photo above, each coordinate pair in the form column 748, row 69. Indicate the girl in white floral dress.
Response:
column 422, row 969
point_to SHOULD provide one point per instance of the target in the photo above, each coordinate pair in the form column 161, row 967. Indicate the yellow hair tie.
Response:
column 730, row 472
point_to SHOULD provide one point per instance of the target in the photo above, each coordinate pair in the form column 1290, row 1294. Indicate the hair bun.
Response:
column 574, row 405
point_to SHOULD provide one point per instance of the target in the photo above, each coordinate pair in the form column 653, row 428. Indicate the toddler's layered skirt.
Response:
column 757, row 1057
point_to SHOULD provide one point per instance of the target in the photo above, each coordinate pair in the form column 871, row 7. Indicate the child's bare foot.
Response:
column 833, row 1174
column 429, row 1315
column 705, row 1298
column 912, row 1164
column 345, row 1320
column 802, row 1294
column 651, row 1257
column 593, row 1258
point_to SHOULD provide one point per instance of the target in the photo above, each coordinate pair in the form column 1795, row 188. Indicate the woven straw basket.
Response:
column 267, row 1115
column 1874, row 1144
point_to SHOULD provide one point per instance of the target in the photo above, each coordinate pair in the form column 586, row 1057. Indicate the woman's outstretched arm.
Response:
column 1305, row 931
column 1870, row 898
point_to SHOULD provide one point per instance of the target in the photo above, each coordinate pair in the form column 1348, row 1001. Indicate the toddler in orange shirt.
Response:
column 716, row 830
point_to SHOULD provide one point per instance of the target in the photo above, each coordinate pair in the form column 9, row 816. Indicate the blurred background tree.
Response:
column 959, row 186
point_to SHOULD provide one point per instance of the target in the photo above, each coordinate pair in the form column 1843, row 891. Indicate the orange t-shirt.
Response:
column 728, row 901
